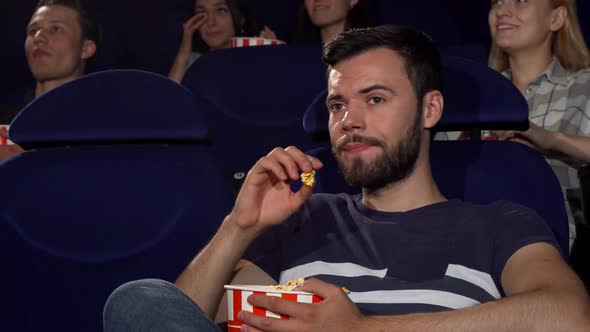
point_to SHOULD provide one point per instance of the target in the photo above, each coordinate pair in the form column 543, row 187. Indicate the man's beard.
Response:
column 390, row 167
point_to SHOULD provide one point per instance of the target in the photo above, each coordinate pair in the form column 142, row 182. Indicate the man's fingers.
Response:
column 261, row 323
column 279, row 305
column 306, row 163
column 268, row 164
column 302, row 195
column 320, row 288
column 288, row 162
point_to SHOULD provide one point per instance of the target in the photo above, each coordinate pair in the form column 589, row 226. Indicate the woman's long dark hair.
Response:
column 243, row 19
column 360, row 16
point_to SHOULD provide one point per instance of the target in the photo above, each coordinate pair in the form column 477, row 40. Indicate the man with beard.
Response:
column 62, row 37
column 412, row 259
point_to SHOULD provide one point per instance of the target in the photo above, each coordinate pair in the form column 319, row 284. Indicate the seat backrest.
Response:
column 259, row 95
column 119, row 185
column 475, row 171
column 475, row 97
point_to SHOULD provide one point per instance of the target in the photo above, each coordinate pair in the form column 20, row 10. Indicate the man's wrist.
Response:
column 238, row 231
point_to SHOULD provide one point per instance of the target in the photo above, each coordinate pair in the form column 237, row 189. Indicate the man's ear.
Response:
column 88, row 49
column 558, row 18
column 432, row 108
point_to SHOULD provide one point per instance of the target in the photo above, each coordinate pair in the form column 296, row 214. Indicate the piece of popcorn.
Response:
column 290, row 285
column 308, row 178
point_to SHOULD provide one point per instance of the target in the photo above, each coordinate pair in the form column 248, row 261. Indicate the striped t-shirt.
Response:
column 444, row 256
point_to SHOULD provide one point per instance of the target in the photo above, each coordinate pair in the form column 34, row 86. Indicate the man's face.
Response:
column 54, row 46
column 375, row 125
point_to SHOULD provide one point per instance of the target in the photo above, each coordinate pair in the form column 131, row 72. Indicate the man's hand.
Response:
column 335, row 313
column 266, row 198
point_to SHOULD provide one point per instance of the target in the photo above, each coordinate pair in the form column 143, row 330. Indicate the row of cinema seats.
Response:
column 130, row 173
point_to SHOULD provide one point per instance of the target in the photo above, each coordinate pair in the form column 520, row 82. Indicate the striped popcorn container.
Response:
column 237, row 300
column 4, row 140
column 254, row 41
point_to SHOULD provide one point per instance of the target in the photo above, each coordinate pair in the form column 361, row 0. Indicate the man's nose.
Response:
column 40, row 36
column 353, row 119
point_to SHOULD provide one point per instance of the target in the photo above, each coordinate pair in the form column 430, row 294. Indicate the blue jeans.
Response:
column 153, row 305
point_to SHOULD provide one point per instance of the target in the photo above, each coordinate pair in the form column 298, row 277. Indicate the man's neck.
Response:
column 330, row 32
column 527, row 65
column 415, row 191
column 45, row 86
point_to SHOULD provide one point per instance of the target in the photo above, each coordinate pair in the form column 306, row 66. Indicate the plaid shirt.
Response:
column 560, row 101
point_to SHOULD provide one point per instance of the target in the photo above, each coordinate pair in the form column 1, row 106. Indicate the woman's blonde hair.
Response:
column 568, row 43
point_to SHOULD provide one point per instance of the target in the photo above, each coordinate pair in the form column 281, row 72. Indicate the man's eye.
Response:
column 222, row 10
column 32, row 32
column 335, row 108
column 497, row 2
column 376, row 100
column 56, row 29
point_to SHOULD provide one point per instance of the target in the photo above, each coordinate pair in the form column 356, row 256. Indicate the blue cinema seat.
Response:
column 475, row 171
column 260, row 95
column 119, row 184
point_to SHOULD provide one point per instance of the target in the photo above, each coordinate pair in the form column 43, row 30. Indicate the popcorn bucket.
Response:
column 237, row 300
column 4, row 140
column 254, row 41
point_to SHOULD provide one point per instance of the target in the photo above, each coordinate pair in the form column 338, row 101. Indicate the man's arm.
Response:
column 265, row 200
column 543, row 295
column 215, row 266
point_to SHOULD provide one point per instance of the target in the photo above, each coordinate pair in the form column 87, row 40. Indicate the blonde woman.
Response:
column 538, row 44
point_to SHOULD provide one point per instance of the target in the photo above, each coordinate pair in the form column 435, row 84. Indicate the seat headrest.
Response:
column 114, row 106
column 475, row 96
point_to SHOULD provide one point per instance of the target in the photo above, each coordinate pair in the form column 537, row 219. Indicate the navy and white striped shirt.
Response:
column 444, row 256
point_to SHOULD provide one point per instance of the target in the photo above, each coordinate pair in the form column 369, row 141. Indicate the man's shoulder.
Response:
column 490, row 212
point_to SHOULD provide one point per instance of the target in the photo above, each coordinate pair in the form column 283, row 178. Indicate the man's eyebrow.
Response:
column 333, row 97
column 376, row 87
column 35, row 23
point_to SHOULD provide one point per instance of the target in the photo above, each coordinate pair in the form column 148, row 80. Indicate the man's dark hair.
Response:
column 86, row 18
column 421, row 57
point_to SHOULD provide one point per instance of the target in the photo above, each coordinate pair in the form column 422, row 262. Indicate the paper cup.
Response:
column 253, row 41
column 4, row 140
column 237, row 300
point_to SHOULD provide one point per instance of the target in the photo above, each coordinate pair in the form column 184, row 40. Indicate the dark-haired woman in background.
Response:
column 322, row 20
column 215, row 22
